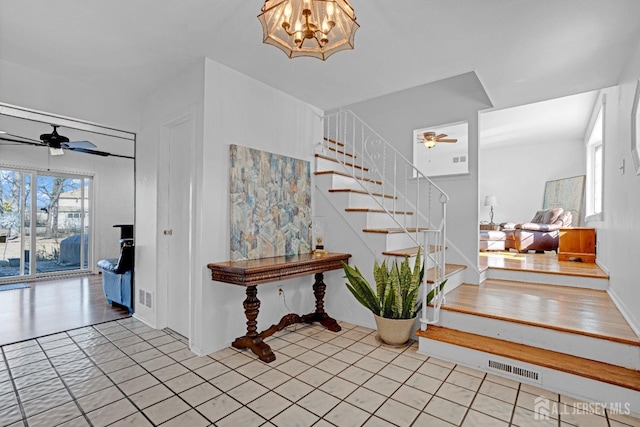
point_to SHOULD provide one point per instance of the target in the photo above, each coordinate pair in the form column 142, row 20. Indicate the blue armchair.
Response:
column 116, row 276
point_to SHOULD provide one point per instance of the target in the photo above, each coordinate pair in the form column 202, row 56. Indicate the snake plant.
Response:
column 396, row 291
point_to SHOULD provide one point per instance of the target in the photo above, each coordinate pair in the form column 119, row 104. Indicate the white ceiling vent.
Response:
column 515, row 371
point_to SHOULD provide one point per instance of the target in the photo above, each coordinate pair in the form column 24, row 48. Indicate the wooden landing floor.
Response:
column 52, row 306
column 542, row 263
column 577, row 310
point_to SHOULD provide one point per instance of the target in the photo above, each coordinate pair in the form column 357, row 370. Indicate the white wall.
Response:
column 240, row 110
column 517, row 175
column 231, row 108
column 619, row 232
column 183, row 93
column 114, row 180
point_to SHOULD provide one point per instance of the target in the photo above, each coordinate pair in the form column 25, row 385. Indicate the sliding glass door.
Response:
column 44, row 224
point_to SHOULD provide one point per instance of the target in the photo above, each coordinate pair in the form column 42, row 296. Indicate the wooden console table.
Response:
column 251, row 273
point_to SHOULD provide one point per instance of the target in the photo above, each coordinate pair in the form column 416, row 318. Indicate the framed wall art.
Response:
column 568, row 194
column 270, row 204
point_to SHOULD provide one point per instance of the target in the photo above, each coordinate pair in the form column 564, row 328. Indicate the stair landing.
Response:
column 539, row 263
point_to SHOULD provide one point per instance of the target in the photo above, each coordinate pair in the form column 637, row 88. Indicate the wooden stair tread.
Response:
column 599, row 371
column 333, row 141
column 351, row 165
column 349, row 190
column 449, row 269
column 559, row 308
column 341, row 152
column 377, row 211
column 410, row 252
column 373, row 181
column 393, row 230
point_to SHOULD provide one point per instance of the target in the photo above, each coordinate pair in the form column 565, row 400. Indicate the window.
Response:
column 595, row 155
column 45, row 238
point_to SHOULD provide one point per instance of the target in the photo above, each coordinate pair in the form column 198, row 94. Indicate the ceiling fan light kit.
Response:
column 430, row 139
column 316, row 28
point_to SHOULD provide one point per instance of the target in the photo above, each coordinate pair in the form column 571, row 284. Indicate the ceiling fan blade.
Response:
column 20, row 140
column 97, row 152
column 80, row 144
column 447, row 140
column 442, row 135
column 24, row 138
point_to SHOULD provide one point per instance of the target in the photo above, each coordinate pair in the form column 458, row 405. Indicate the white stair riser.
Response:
column 329, row 165
column 351, row 200
column 548, row 279
column 365, row 201
column 346, row 182
column 614, row 353
column 388, row 242
column 570, row 385
column 384, row 220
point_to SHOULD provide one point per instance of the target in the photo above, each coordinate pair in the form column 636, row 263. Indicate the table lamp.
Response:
column 491, row 201
column 317, row 224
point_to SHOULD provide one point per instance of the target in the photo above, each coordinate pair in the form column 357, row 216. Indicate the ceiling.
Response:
column 523, row 51
column 560, row 120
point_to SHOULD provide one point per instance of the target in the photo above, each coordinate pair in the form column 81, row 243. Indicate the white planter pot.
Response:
column 394, row 331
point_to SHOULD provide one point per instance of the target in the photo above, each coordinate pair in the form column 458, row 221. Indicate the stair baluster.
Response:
column 397, row 186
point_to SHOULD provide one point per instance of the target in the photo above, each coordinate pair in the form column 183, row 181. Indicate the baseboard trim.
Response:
column 633, row 322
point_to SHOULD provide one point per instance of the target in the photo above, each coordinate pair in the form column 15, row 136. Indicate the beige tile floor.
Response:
column 123, row 373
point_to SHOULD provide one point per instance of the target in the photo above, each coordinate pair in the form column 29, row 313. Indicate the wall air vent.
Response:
column 515, row 371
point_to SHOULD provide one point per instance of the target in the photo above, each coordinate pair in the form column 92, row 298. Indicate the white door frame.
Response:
column 164, row 304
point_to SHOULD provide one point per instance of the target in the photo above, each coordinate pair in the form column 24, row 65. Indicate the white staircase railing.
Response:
column 398, row 187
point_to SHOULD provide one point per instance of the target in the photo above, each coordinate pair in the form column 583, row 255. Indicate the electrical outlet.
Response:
column 280, row 292
column 149, row 300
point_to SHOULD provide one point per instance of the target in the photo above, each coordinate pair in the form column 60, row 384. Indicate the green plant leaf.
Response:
column 432, row 292
column 361, row 289
column 380, row 275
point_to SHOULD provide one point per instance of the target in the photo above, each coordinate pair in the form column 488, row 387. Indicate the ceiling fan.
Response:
column 429, row 139
column 58, row 143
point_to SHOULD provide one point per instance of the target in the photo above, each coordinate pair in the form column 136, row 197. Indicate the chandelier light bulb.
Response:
column 287, row 11
column 330, row 8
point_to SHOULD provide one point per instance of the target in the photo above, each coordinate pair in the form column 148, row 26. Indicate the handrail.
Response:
column 397, row 186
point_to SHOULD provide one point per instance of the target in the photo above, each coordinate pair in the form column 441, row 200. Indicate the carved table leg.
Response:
column 252, row 339
column 319, row 315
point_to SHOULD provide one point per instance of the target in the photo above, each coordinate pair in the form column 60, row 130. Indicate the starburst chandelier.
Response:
column 317, row 28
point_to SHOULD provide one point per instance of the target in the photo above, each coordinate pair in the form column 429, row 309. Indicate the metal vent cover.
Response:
column 515, row 371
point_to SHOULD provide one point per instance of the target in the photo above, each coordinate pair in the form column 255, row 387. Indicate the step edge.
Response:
column 349, row 190
column 370, row 180
column 542, row 325
column 350, row 165
column 369, row 210
column 353, row 156
column 392, row 230
column 333, row 141
column 585, row 373
column 401, row 252
column 555, row 273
